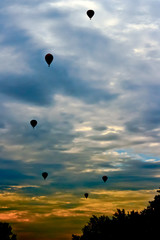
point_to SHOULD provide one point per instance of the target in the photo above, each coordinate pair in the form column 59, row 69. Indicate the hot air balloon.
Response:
column 33, row 123
column 104, row 178
column 90, row 13
column 86, row 195
column 49, row 59
column 44, row 175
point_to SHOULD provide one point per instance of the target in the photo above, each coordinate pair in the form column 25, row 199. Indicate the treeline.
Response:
column 126, row 226
column 6, row 232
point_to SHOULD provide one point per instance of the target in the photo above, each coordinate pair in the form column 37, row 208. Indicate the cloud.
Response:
column 54, row 209
column 106, row 137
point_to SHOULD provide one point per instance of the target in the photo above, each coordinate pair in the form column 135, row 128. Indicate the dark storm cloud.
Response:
column 129, row 85
column 135, row 175
column 44, row 135
column 16, row 173
column 152, row 118
column 12, row 172
column 26, row 90
column 149, row 117
column 10, row 175
column 2, row 124
column 106, row 137
column 39, row 90
column 134, row 126
column 100, row 128
column 97, row 149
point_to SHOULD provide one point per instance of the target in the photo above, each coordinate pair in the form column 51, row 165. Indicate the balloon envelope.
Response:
column 86, row 195
column 90, row 13
column 49, row 59
column 33, row 123
column 104, row 178
column 44, row 175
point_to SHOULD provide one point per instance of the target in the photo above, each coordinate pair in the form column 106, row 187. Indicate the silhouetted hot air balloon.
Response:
column 33, row 123
column 90, row 13
column 86, row 195
column 104, row 178
column 44, row 175
column 49, row 59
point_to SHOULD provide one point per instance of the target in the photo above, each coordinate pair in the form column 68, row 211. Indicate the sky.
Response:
column 97, row 108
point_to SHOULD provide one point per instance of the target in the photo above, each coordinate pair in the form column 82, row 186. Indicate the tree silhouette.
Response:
column 133, row 225
column 6, row 232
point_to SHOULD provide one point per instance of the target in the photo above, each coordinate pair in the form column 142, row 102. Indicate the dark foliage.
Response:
column 133, row 225
column 6, row 232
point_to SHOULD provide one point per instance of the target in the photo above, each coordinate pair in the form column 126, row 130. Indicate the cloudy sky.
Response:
column 97, row 108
